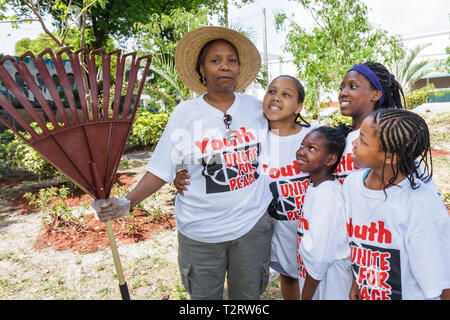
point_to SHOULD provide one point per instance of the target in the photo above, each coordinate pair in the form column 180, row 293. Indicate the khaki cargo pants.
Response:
column 245, row 260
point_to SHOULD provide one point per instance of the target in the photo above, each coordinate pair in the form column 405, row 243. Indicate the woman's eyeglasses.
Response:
column 231, row 135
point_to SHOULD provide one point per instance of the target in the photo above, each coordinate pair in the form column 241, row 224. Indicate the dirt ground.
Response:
column 37, row 265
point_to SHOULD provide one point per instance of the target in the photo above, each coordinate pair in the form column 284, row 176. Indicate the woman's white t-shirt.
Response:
column 288, row 186
column 400, row 244
column 322, row 242
column 227, row 193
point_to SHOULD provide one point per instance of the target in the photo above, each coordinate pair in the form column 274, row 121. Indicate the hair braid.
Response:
column 406, row 135
column 393, row 92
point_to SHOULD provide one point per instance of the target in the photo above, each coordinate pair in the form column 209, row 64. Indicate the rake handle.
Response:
column 112, row 243
column 110, row 232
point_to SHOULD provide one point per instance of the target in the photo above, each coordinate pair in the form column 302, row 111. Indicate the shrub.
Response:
column 7, row 151
column 55, row 214
column 336, row 118
column 147, row 128
column 418, row 97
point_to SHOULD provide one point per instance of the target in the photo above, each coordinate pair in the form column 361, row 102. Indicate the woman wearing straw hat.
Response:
column 222, row 220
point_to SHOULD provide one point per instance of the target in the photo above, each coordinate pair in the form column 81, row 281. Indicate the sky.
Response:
column 408, row 18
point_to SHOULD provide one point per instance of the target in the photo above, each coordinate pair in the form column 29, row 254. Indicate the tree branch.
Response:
column 41, row 21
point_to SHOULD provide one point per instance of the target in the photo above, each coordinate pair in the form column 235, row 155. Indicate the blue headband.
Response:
column 371, row 76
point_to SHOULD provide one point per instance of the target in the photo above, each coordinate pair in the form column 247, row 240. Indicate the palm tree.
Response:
column 408, row 71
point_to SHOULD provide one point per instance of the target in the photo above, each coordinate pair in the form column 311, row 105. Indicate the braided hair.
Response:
column 301, row 97
column 336, row 142
column 392, row 90
column 405, row 134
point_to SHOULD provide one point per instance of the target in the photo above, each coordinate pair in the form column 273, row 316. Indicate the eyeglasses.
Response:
column 227, row 119
column 231, row 135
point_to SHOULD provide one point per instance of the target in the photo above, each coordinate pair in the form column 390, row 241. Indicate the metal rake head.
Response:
column 83, row 108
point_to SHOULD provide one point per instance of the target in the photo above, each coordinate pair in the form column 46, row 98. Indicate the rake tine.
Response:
column 59, row 66
column 141, row 85
column 118, row 86
column 29, row 80
column 92, row 70
column 12, row 111
column 41, row 66
column 11, row 84
column 107, row 80
column 130, row 84
column 78, row 75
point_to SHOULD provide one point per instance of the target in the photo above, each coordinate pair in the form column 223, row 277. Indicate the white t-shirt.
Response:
column 288, row 186
column 227, row 193
column 400, row 244
column 347, row 165
column 322, row 242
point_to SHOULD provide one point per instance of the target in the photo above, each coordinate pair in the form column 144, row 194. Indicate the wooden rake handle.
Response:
column 115, row 253
column 110, row 232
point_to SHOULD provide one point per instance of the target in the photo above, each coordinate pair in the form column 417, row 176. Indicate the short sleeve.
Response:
column 166, row 157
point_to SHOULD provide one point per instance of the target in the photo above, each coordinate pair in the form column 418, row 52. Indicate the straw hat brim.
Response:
column 189, row 47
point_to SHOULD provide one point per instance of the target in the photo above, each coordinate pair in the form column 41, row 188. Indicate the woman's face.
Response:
column 220, row 68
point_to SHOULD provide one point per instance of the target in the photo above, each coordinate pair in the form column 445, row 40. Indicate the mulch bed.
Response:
column 93, row 236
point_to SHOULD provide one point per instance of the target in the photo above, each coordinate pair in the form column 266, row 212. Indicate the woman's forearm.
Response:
column 148, row 185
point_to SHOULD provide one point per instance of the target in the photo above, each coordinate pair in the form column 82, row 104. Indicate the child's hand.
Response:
column 181, row 181
column 354, row 292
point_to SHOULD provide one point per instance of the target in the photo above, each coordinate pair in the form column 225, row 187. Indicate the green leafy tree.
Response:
column 342, row 36
column 101, row 19
column 43, row 41
column 67, row 15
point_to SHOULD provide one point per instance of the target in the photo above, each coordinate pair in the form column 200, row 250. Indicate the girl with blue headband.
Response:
column 365, row 88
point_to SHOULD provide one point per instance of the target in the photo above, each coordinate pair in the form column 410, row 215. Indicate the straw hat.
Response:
column 189, row 47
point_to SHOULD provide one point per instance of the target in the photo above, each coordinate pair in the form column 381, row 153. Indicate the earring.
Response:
column 203, row 80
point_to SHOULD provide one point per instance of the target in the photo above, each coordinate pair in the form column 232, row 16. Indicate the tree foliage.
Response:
column 342, row 36
column 102, row 19
column 408, row 70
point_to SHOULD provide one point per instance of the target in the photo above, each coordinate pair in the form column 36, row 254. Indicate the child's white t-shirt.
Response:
column 288, row 186
column 400, row 244
column 347, row 165
column 322, row 242
column 227, row 193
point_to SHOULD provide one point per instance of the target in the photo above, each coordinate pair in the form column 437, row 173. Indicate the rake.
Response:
column 90, row 114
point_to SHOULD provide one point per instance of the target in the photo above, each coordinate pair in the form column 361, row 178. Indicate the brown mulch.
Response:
column 92, row 237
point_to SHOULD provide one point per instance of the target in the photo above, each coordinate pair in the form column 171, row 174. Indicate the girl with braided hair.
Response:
column 365, row 88
column 323, row 253
column 397, row 225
